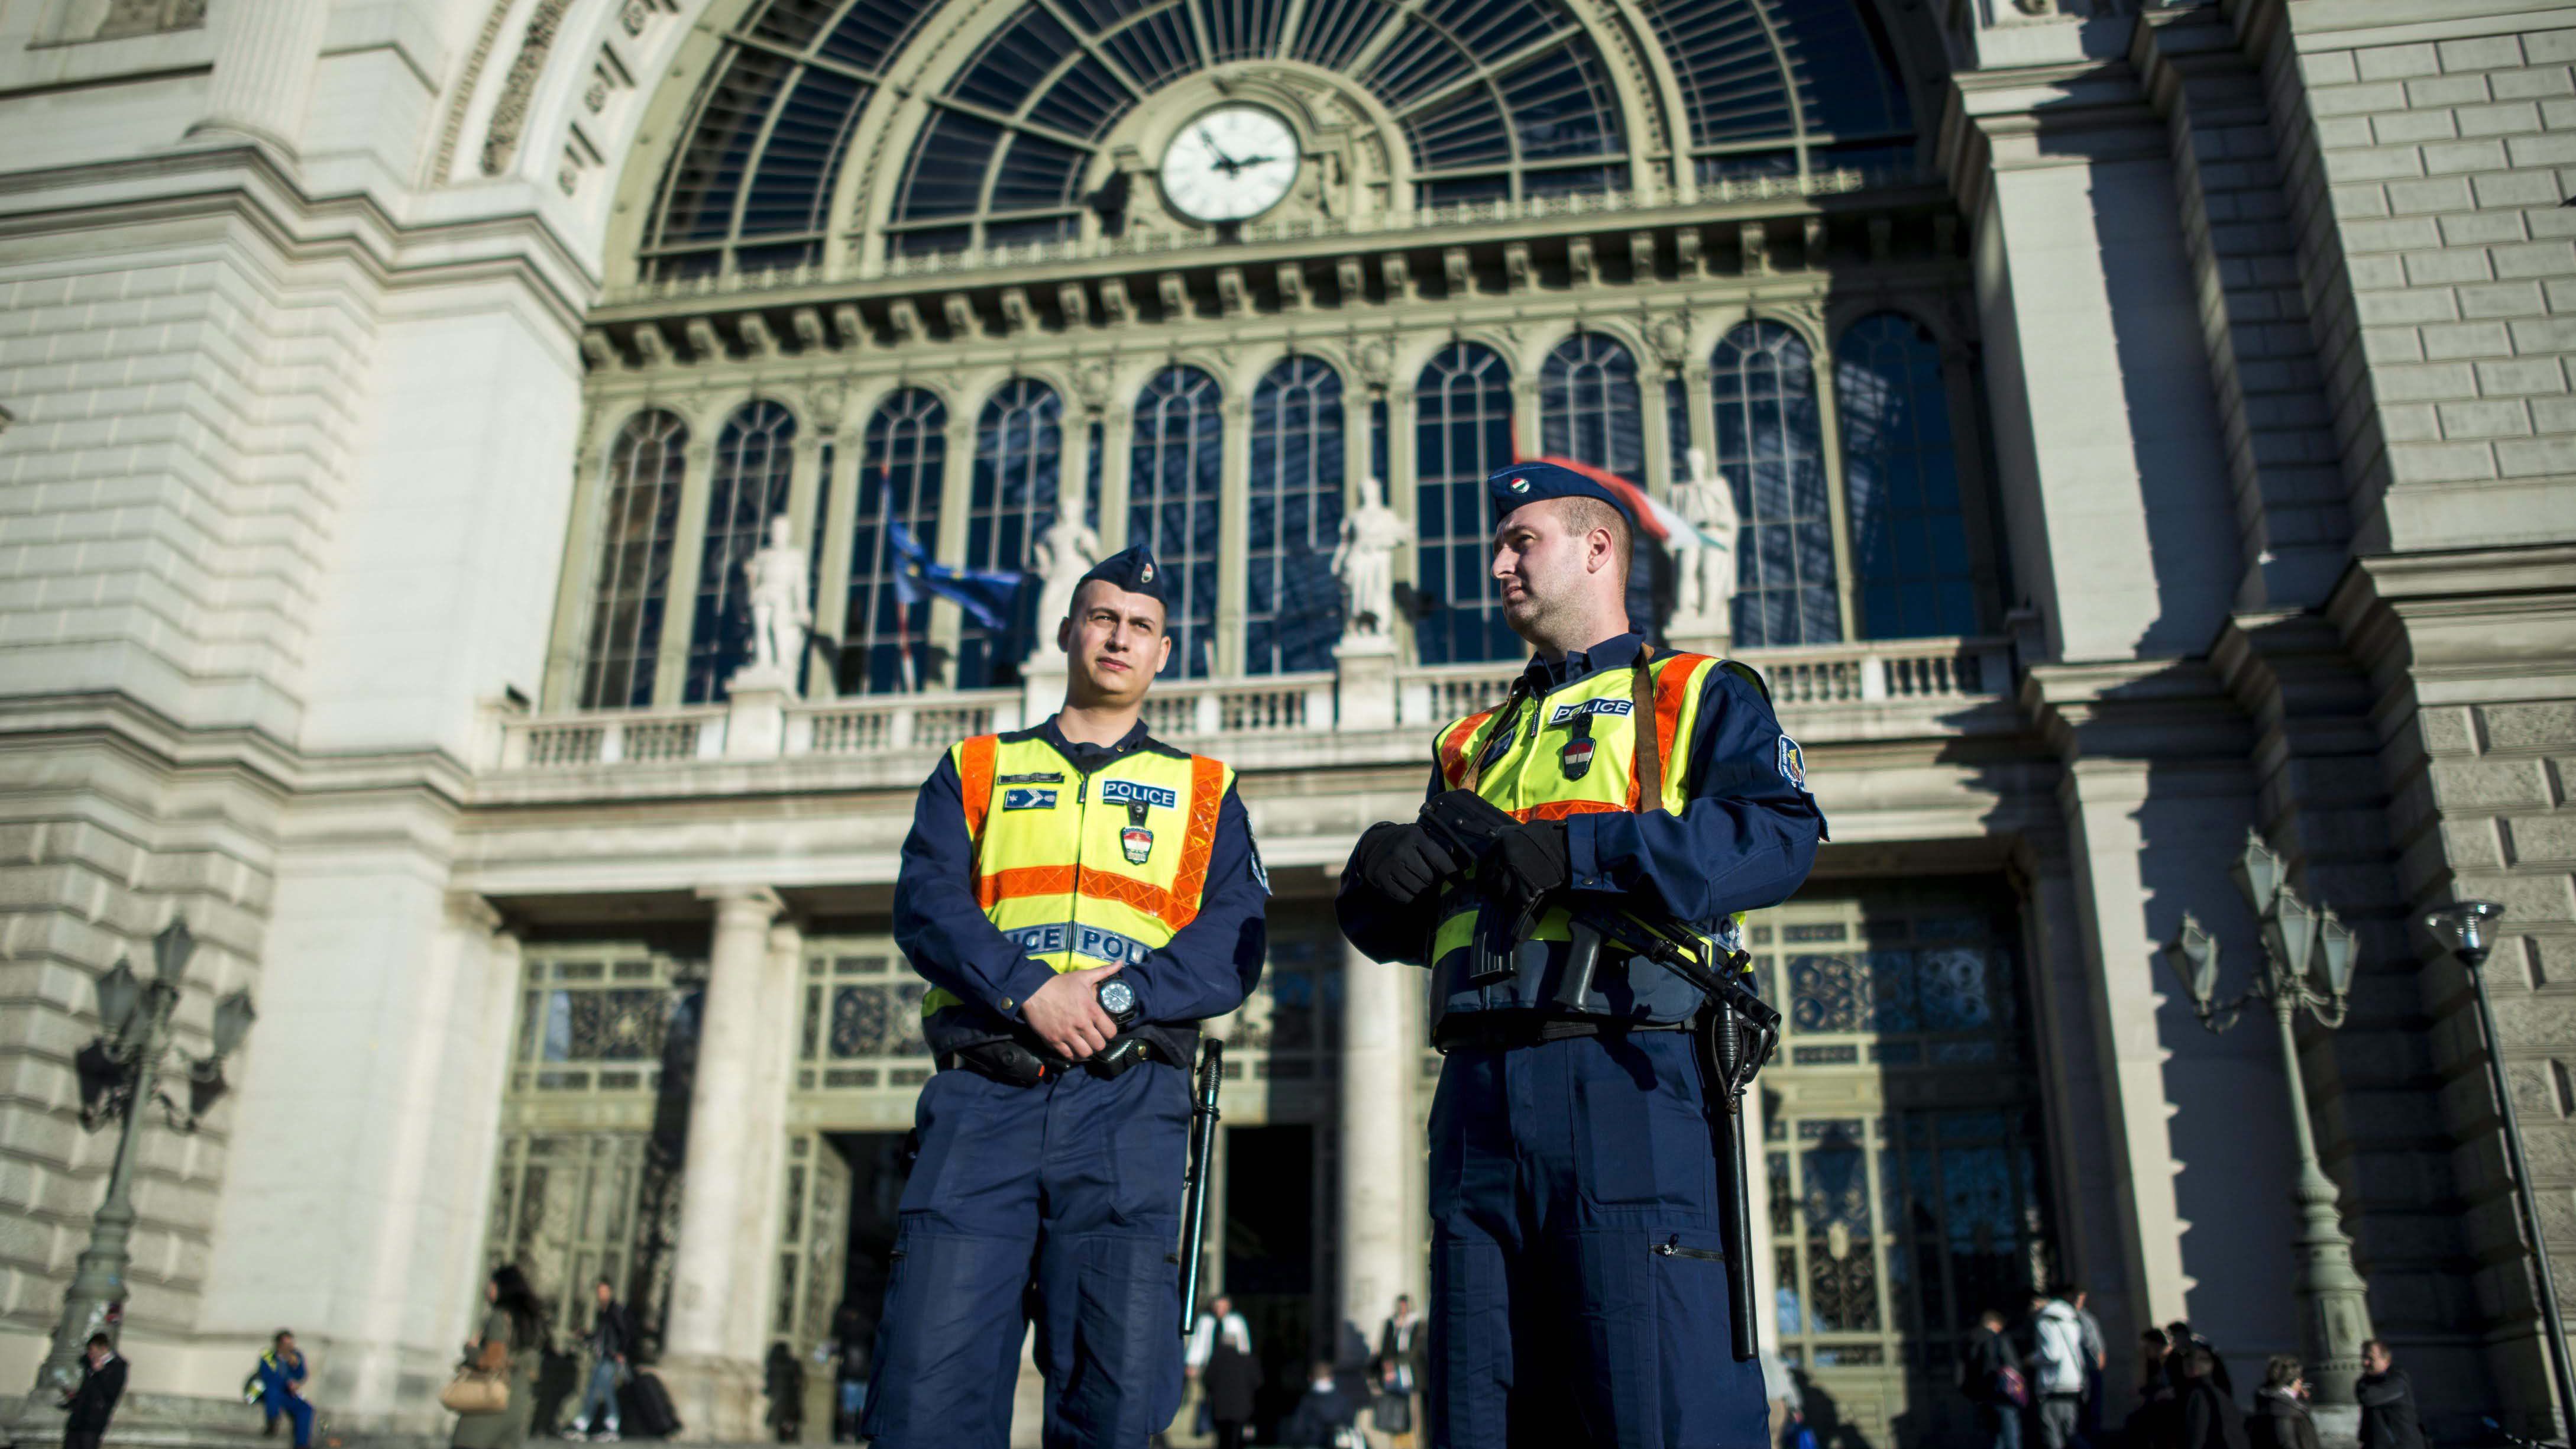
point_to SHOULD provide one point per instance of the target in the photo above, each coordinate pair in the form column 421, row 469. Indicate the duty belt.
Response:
column 1016, row 1064
column 1503, row 1030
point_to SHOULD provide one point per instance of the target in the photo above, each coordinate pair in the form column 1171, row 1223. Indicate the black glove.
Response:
column 1401, row 862
column 1465, row 823
column 1528, row 862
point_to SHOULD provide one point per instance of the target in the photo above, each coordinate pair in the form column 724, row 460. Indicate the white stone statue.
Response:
column 1703, row 564
column 781, row 613
column 1364, row 562
column 1061, row 556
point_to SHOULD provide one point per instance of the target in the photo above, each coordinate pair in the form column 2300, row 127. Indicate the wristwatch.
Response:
column 1119, row 1000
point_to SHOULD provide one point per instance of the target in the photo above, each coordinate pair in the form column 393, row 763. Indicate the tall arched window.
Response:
column 1292, row 608
column 639, row 519
column 1591, row 411
column 886, row 644
column 1770, row 448
column 1901, row 480
column 754, row 455
column 1462, row 433
column 1172, row 502
column 1019, row 447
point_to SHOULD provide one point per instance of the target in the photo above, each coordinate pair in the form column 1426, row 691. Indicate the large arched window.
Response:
column 1784, row 87
column 903, row 456
column 1591, row 411
column 1462, row 433
column 1019, row 447
column 1172, row 504
column 1292, row 610
column 1901, row 480
column 754, row 457
column 1770, row 448
column 639, row 521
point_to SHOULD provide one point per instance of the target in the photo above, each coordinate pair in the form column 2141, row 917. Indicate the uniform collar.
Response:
column 1090, row 758
column 1616, row 652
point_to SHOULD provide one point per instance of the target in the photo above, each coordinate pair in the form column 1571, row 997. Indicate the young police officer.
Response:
column 1577, row 1283
column 1079, row 896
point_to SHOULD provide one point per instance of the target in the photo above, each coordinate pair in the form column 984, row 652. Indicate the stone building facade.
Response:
column 2143, row 426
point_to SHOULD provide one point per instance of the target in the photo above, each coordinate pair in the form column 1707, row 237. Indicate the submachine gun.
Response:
column 1733, row 1033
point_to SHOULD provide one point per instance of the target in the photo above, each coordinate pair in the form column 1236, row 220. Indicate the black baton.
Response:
column 1194, row 1187
column 1721, row 1048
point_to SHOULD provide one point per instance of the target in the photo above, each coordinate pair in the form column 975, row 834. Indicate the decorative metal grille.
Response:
column 639, row 522
column 860, row 1022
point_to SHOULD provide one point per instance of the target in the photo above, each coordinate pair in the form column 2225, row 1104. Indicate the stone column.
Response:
column 1378, row 1054
column 265, row 54
column 714, row 1375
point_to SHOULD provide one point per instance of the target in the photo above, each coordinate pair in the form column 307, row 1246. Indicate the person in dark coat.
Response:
column 1398, row 1370
column 2210, row 1419
column 1989, row 1359
column 1220, row 1356
column 102, row 1383
column 2156, row 1423
column 2388, row 1418
column 2183, row 1339
column 783, row 1379
column 1326, row 1411
column 2280, row 1419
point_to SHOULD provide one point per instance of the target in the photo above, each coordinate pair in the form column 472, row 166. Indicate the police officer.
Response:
column 1578, row 1293
column 1079, row 896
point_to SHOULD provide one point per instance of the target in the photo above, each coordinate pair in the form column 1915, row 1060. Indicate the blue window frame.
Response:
column 1901, row 482
column 1462, row 433
column 1019, row 448
column 755, row 454
column 1590, row 410
column 1770, row 447
column 1292, row 605
column 639, row 524
column 1173, row 501
column 902, row 463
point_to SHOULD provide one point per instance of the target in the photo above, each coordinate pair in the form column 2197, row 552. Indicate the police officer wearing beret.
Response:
column 1079, row 897
column 1578, row 1293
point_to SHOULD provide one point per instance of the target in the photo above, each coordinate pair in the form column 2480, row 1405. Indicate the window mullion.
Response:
column 1837, row 507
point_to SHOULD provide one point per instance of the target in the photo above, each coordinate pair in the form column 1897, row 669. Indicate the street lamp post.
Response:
column 2308, row 959
column 120, row 1071
column 2467, row 928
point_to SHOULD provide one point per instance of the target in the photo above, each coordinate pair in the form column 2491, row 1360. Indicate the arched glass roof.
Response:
column 1496, row 98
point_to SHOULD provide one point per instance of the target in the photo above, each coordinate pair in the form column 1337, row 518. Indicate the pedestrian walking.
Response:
column 102, row 1383
column 1398, row 1366
column 2388, row 1417
column 2156, row 1423
column 1220, row 1358
column 1990, row 1375
column 282, row 1373
column 2210, row 1418
column 850, row 1348
column 2058, row 1362
column 2280, row 1419
column 1327, row 1417
column 2097, row 1364
column 1573, row 1183
column 1079, row 897
column 2183, row 1338
column 511, row 1341
column 612, row 1338
column 782, row 1378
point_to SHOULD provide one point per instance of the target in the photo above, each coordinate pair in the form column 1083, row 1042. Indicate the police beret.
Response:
column 1134, row 571
column 1534, row 479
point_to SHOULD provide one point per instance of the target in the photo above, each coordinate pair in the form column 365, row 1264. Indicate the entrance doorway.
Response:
column 1270, row 1258
column 844, row 1189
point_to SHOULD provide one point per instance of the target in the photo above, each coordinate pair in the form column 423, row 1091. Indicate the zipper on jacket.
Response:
column 1674, row 1249
column 1081, row 843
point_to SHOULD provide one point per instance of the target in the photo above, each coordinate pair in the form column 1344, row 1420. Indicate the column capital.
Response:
column 470, row 911
column 739, row 900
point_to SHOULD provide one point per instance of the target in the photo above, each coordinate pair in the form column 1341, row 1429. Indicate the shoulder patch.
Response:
column 1260, row 877
column 1793, row 763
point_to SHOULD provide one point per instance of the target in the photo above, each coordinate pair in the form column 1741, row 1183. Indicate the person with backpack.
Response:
column 2058, row 1362
column 1990, row 1375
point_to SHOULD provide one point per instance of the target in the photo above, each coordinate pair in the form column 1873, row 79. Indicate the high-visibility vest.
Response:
column 1573, row 750
column 1082, row 870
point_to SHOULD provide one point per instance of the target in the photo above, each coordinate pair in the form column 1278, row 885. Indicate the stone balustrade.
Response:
column 761, row 725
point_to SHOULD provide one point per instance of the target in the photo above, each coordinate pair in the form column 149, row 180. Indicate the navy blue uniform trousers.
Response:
column 1060, row 1203
column 1578, row 1284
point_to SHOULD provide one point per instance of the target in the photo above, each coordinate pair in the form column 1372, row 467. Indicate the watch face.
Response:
column 1117, row 997
column 1231, row 163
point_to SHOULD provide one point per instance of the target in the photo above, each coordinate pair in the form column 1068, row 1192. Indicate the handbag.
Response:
column 481, row 1385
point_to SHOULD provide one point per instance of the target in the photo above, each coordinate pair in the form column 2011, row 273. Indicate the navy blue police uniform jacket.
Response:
column 1746, row 838
column 1206, row 970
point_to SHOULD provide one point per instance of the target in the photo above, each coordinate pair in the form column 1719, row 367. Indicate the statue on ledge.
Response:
column 1364, row 562
column 781, row 611
column 1061, row 556
column 1703, row 559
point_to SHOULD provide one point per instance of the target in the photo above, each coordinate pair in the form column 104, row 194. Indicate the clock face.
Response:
column 1231, row 163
